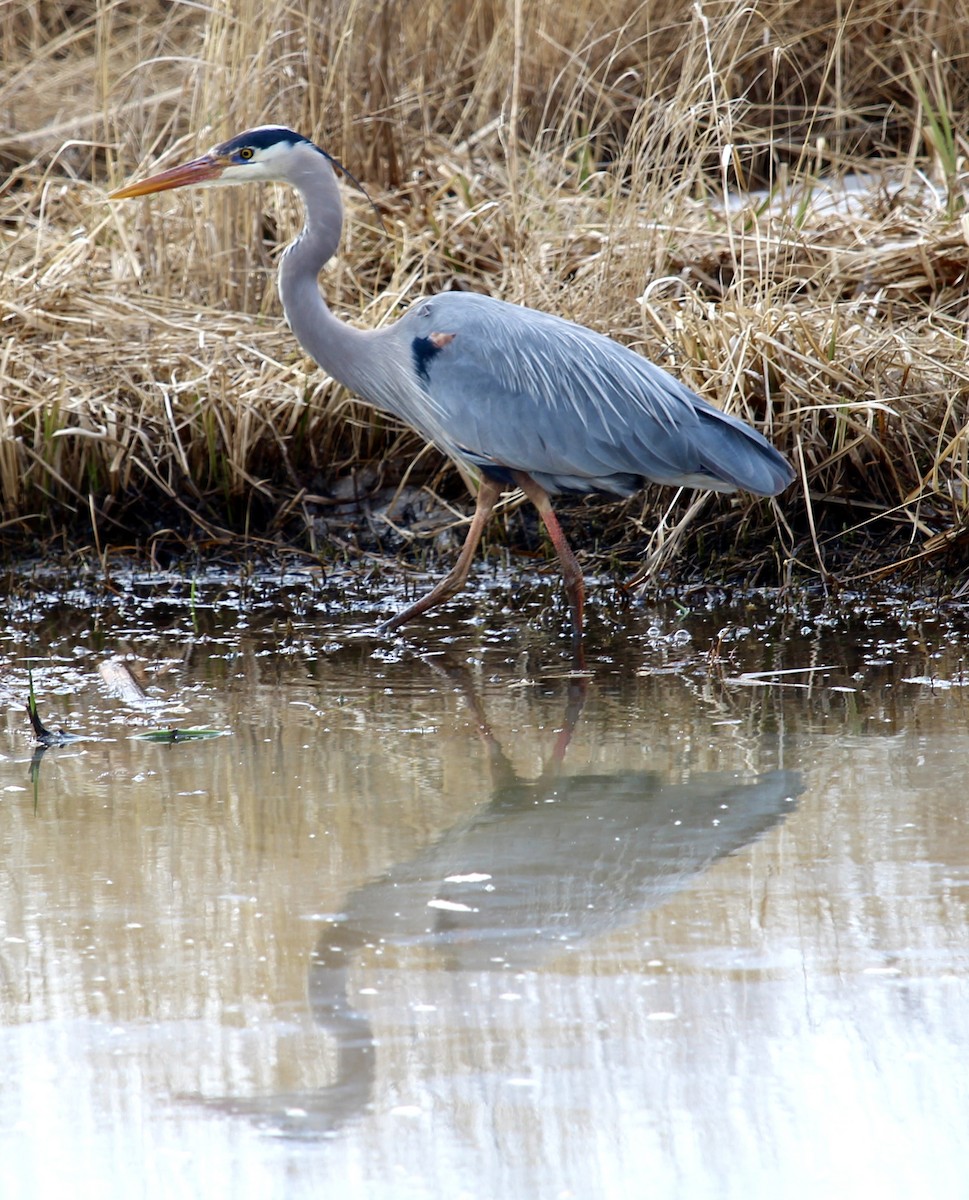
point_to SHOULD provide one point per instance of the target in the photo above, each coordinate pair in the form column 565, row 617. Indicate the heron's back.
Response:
column 514, row 389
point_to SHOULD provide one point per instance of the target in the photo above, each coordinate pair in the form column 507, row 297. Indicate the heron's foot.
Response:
column 578, row 657
column 391, row 624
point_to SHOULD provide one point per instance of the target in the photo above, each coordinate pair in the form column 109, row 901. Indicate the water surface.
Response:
column 432, row 919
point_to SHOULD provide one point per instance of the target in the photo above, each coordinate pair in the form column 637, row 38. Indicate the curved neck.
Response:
column 340, row 349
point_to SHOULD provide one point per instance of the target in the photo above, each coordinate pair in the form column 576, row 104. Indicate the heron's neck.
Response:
column 340, row 349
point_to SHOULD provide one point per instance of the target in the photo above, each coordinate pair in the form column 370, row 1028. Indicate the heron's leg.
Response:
column 488, row 493
column 571, row 571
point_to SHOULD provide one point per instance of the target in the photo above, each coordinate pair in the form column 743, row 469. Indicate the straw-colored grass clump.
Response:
column 667, row 172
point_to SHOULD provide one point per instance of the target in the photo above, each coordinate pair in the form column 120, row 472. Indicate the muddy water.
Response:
column 429, row 920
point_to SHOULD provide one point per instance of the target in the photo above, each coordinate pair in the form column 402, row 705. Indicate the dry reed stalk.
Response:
column 144, row 356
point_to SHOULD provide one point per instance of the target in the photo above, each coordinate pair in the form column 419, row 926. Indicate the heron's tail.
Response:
column 737, row 456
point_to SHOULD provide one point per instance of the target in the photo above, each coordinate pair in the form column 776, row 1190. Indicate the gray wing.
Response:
column 518, row 389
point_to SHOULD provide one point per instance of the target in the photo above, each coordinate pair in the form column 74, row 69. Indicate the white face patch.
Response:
column 261, row 155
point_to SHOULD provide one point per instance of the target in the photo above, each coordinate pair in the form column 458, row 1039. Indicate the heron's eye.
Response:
column 246, row 152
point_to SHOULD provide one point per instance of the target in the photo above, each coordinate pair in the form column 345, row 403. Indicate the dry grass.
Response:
column 542, row 153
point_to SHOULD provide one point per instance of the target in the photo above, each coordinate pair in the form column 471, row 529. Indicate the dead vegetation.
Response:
column 671, row 173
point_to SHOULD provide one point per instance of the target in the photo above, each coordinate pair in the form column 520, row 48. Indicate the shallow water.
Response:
column 428, row 921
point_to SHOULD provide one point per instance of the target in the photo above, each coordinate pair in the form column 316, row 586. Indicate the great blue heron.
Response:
column 526, row 399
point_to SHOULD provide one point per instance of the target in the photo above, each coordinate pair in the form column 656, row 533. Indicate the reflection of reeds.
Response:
column 543, row 153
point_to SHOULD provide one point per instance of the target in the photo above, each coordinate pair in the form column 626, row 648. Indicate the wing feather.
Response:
column 516, row 388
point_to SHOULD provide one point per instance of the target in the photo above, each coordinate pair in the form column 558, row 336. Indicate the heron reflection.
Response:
column 547, row 865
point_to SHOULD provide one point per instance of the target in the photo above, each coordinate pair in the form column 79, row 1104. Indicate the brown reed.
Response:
column 664, row 172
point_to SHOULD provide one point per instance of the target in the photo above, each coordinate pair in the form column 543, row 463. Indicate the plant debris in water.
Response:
column 170, row 736
column 45, row 737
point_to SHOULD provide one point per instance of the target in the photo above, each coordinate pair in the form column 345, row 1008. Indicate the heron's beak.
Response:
column 206, row 169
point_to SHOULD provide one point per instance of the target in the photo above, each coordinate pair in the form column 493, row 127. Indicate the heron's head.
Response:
column 264, row 154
